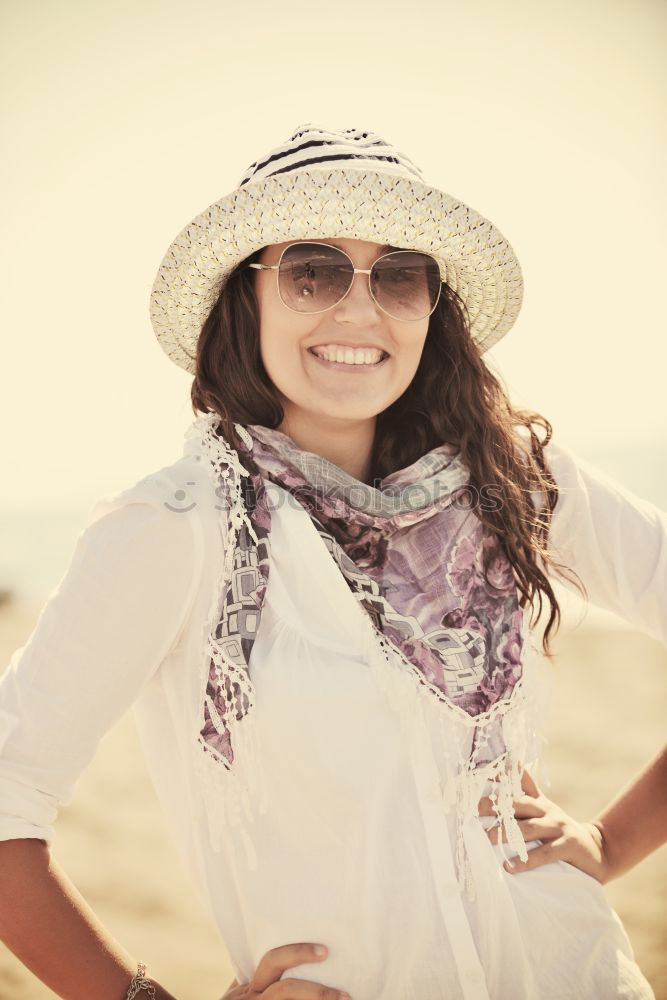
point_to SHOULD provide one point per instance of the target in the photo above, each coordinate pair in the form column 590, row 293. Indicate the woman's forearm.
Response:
column 49, row 926
column 635, row 823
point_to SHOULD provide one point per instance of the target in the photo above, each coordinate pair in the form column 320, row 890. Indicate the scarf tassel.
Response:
column 438, row 735
column 229, row 790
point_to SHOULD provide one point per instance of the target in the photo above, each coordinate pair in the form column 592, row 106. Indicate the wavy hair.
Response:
column 453, row 397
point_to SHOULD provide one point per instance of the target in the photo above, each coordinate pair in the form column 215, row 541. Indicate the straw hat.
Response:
column 321, row 183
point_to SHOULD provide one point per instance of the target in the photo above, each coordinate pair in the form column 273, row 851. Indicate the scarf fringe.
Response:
column 439, row 735
column 228, row 790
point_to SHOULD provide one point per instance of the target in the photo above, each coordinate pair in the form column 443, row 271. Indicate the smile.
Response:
column 352, row 369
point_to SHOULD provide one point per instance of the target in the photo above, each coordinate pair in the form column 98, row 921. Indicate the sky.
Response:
column 122, row 121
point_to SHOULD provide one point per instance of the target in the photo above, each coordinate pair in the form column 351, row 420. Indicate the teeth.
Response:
column 349, row 355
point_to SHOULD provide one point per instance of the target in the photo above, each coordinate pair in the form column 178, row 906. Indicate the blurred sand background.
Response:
column 607, row 719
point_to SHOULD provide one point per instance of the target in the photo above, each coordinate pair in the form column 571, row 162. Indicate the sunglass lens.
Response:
column 313, row 276
column 406, row 284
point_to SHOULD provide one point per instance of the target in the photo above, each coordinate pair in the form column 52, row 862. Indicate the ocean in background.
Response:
column 36, row 546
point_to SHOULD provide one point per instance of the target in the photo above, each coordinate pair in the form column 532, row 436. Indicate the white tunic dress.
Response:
column 354, row 849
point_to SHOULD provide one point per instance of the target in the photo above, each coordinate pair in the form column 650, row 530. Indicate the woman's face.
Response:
column 342, row 391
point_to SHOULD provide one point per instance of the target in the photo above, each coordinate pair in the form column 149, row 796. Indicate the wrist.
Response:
column 144, row 987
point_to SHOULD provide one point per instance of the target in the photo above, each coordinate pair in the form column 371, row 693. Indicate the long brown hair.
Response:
column 454, row 397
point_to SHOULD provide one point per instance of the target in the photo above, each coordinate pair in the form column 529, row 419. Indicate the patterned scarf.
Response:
column 411, row 551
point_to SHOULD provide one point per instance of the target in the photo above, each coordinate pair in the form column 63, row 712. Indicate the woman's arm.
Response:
column 617, row 543
column 48, row 925
column 613, row 539
column 634, row 824
column 101, row 635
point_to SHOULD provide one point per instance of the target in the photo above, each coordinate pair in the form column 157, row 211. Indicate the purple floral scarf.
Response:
column 411, row 550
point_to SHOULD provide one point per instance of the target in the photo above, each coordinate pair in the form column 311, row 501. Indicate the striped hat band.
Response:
column 310, row 146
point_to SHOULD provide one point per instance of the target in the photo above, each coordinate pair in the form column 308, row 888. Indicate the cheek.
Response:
column 274, row 325
column 280, row 339
column 410, row 346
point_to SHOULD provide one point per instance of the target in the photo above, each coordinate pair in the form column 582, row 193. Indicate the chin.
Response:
column 344, row 412
column 340, row 411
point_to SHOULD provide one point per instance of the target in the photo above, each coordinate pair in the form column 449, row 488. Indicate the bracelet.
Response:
column 139, row 982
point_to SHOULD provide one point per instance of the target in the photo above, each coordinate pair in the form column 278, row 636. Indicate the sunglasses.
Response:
column 313, row 277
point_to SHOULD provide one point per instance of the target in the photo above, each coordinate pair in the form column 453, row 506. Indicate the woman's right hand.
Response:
column 266, row 981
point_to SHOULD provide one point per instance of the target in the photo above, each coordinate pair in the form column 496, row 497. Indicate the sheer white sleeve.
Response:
column 105, row 628
column 613, row 539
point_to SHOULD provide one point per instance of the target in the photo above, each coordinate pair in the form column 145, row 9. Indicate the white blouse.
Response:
column 355, row 850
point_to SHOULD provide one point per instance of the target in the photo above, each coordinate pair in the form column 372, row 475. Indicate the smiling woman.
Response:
column 326, row 613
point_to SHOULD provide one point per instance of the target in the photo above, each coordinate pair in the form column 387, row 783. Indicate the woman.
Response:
column 323, row 613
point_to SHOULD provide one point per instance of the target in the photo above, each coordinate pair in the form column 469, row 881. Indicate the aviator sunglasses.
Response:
column 313, row 277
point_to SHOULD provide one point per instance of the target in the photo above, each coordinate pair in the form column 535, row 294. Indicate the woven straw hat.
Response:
column 320, row 184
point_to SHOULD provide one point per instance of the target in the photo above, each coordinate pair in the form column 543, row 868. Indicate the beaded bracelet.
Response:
column 139, row 982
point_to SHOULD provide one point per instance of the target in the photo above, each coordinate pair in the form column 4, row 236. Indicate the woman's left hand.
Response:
column 564, row 838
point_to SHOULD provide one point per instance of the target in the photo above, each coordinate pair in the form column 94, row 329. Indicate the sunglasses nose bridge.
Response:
column 363, row 275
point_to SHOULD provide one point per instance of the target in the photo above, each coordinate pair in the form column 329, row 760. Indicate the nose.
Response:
column 358, row 306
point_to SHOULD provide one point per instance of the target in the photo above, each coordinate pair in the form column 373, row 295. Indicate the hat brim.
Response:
column 474, row 257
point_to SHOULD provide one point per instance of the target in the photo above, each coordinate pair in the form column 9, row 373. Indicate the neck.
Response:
column 345, row 443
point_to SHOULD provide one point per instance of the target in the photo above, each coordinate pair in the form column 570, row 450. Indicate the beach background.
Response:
column 121, row 122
